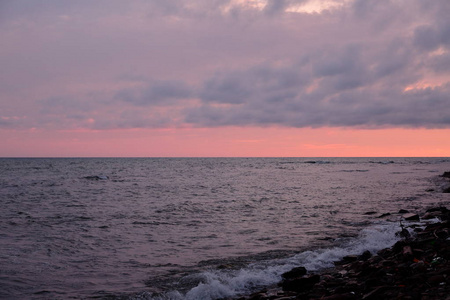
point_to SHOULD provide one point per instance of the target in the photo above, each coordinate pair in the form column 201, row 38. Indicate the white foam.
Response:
column 372, row 239
column 218, row 284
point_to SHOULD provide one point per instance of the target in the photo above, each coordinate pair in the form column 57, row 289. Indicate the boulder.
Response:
column 300, row 284
column 446, row 175
column 365, row 255
column 294, row 273
column 411, row 217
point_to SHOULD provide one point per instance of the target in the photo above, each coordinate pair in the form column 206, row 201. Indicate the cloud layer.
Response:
column 164, row 64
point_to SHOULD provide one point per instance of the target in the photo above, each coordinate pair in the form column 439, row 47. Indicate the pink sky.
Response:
column 225, row 78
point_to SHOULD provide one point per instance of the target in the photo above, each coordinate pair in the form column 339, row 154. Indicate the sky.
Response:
column 175, row 78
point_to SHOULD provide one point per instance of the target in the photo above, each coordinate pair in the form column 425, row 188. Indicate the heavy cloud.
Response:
column 146, row 64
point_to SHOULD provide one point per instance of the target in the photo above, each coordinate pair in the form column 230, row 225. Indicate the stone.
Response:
column 404, row 233
column 295, row 272
column 375, row 294
column 345, row 296
column 384, row 215
column 407, row 250
column 430, row 215
column 417, row 267
column 370, row 213
column 300, row 284
column 436, row 279
column 446, row 175
column 442, row 209
column 411, row 217
column 350, row 258
column 365, row 255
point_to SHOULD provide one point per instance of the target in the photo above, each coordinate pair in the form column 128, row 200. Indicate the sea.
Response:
column 196, row 228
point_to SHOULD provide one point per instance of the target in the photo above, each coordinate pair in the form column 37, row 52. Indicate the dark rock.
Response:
column 446, row 190
column 431, row 215
column 419, row 266
column 389, row 263
column 404, row 233
column 407, row 252
column 345, row 296
column 370, row 213
column 434, row 209
column 398, row 246
column 258, row 296
column 225, row 266
column 414, row 268
column 349, row 258
column 411, row 217
column 436, row 279
column 446, row 175
column 384, row 215
column 376, row 293
column 403, row 211
column 373, row 282
column 365, row 255
column 300, row 284
column 97, row 177
column 294, row 273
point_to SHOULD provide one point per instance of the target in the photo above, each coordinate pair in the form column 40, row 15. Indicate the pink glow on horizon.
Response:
column 228, row 142
column 235, row 78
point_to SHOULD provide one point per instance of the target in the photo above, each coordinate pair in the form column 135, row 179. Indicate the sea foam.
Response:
column 217, row 284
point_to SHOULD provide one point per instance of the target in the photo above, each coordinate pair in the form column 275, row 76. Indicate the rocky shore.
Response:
column 416, row 267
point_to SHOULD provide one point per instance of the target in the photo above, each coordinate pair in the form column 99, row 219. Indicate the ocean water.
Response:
column 195, row 228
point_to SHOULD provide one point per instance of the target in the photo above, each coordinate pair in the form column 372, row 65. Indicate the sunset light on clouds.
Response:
column 225, row 78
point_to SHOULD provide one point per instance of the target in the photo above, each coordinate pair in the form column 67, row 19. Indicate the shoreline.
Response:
column 415, row 267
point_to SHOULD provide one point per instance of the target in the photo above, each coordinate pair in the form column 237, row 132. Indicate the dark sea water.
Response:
column 195, row 228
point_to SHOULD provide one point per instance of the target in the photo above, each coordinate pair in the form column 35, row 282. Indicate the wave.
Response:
column 216, row 284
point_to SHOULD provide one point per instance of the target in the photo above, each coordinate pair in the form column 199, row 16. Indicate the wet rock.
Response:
column 431, row 215
column 345, row 296
column 349, row 258
column 446, row 175
column 414, row 268
column 294, row 273
column 375, row 294
column 411, row 217
column 407, row 253
column 370, row 213
column 441, row 209
column 436, row 279
column 300, row 284
column 404, row 233
column 365, row 255
column 384, row 215
column 225, row 266
column 96, row 177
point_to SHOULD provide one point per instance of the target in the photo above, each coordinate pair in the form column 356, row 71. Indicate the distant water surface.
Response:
column 193, row 228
